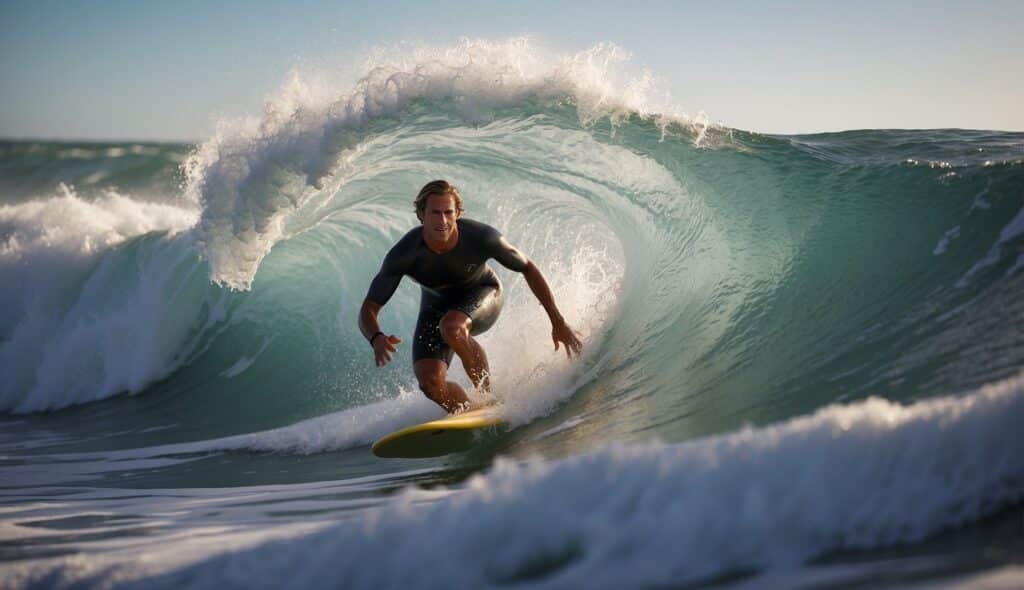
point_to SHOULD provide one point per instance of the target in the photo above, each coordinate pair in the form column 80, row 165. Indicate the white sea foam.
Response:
column 76, row 328
column 866, row 475
column 74, row 227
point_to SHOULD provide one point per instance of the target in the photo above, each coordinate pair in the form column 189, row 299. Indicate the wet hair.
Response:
column 437, row 187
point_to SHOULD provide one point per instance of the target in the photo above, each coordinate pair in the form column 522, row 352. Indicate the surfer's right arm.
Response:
column 381, row 290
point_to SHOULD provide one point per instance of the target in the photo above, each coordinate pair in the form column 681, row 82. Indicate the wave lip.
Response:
column 866, row 475
column 254, row 174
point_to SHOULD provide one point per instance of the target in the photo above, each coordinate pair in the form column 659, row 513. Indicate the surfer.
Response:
column 461, row 296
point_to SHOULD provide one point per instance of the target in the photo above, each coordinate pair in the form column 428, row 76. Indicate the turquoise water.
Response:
column 802, row 365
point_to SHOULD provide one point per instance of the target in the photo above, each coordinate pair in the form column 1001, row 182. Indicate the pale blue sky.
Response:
column 168, row 70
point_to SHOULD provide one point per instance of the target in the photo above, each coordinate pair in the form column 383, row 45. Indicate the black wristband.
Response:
column 374, row 337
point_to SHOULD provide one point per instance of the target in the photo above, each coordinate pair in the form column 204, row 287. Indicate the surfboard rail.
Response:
column 446, row 435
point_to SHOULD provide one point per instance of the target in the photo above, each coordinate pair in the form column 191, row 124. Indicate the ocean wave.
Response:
column 255, row 173
column 752, row 279
column 82, row 323
column 867, row 475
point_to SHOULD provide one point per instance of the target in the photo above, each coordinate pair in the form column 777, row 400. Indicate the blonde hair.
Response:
column 437, row 187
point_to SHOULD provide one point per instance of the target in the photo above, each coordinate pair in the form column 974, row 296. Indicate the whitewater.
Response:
column 803, row 362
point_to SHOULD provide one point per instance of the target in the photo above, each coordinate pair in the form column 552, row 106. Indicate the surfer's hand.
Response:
column 562, row 333
column 383, row 347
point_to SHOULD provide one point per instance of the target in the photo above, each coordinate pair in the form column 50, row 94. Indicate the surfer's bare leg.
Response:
column 455, row 326
column 431, row 375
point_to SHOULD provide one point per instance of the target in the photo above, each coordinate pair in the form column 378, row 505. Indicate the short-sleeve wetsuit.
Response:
column 458, row 279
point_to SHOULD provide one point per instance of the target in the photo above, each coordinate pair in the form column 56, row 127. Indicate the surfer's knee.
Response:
column 432, row 384
column 454, row 328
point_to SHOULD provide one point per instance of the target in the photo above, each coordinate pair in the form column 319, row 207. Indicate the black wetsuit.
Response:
column 459, row 280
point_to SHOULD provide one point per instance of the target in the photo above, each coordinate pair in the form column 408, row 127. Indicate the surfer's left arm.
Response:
column 560, row 331
column 513, row 259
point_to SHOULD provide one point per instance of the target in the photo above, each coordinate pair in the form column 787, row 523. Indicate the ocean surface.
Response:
column 803, row 363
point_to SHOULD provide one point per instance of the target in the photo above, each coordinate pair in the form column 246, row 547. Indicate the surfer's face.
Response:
column 439, row 217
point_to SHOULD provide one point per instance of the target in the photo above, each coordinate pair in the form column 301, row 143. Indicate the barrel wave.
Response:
column 755, row 310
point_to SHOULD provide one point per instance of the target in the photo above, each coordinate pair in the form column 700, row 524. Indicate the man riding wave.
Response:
column 461, row 296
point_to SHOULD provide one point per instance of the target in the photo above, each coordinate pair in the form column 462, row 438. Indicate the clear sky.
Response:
column 92, row 69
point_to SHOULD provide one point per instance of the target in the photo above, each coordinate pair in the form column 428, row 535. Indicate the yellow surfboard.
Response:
column 450, row 434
